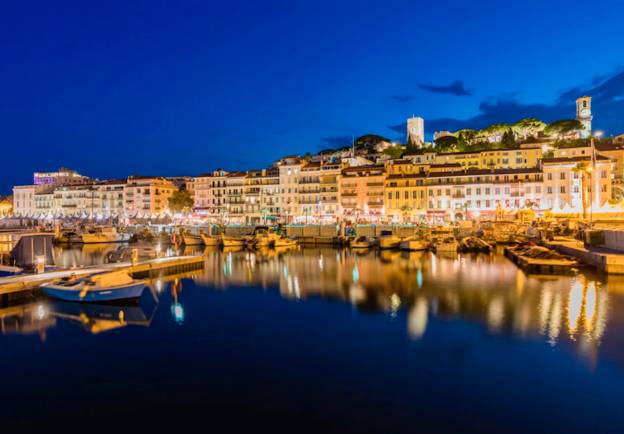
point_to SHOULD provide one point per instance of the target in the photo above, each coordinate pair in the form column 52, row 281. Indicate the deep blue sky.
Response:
column 160, row 87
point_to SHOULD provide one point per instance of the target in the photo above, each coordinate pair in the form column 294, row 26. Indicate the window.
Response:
column 549, row 177
column 562, row 189
column 562, row 175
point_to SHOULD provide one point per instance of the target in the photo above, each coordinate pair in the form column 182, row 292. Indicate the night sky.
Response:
column 181, row 88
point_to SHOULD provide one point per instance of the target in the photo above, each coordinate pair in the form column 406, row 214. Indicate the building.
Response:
column 234, row 199
column 494, row 158
column 24, row 199
column 81, row 200
column 63, row 176
column 362, row 193
column 111, row 198
column 6, row 206
column 405, row 191
column 584, row 115
column 416, row 130
column 289, row 168
column 261, row 193
column 147, row 195
column 329, row 184
column 474, row 193
column 566, row 178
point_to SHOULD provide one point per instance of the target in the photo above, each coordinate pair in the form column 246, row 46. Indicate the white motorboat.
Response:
column 387, row 240
column 104, row 234
column 101, row 287
column 413, row 244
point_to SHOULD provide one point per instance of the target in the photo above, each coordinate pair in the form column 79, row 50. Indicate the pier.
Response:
column 604, row 260
column 143, row 269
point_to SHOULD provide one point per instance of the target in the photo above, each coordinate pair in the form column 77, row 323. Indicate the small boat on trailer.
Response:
column 99, row 287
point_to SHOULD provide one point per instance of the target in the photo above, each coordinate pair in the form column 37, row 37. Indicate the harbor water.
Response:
column 322, row 340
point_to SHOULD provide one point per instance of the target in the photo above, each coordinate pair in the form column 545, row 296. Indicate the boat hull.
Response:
column 413, row 245
column 192, row 240
column 102, row 238
column 94, row 295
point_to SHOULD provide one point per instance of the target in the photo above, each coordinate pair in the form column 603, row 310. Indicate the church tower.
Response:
column 584, row 115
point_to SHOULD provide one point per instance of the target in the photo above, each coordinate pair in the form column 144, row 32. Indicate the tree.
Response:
column 395, row 152
column 446, row 143
column 508, row 140
column 528, row 127
column 181, row 200
column 563, row 127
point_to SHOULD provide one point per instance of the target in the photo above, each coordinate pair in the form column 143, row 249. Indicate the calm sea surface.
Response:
column 323, row 340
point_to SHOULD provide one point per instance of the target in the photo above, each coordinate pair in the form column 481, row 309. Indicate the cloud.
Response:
column 402, row 98
column 607, row 106
column 456, row 88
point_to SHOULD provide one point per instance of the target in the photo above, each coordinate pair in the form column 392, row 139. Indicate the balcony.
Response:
column 349, row 194
column 374, row 204
column 374, row 184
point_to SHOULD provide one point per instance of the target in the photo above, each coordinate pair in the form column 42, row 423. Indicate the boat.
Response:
column 99, row 287
column 125, row 253
column 189, row 239
column 264, row 237
column 68, row 237
column 209, row 240
column 104, row 234
column 229, row 241
column 387, row 240
column 448, row 245
column 361, row 242
column 474, row 244
column 413, row 244
column 284, row 242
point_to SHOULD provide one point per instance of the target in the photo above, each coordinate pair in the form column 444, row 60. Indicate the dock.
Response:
column 143, row 269
column 542, row 266
column 604, row 260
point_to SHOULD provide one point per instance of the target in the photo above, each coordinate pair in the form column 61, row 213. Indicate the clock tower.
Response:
column 584, row 115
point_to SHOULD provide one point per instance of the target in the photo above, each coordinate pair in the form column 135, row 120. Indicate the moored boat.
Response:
column 189, row 239
column 387, row 240
column 474, row 244
column 104, row 234
column 209, row 240
column 448, row 245
column 361, row 242
column 284, row 242
column 228, row 241
column 413, row 244
column 264, row 237
column 100, row 287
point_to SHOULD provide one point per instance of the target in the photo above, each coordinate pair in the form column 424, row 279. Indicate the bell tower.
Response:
column 584, row 115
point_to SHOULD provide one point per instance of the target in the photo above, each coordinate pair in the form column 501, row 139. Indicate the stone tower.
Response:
column 584, row 115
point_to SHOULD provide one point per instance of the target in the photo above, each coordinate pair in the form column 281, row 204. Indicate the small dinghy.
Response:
column 101, row 287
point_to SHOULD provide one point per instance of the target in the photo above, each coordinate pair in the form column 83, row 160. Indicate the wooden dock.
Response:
column 604, row 260
column 542, row 266
column 143, row 269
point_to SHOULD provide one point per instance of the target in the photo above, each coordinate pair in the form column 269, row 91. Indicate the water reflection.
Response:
column 482, row 288
column 410, row 287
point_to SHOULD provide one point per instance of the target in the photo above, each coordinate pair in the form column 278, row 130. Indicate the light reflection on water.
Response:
column 486, row 289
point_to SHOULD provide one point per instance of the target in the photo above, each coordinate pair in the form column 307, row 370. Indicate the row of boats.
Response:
column 262, row 237
column 387, row 240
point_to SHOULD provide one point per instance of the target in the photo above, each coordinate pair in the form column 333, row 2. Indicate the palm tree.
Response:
column 582, row 168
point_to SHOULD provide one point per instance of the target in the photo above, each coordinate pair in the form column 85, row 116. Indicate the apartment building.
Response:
column 362, row 192
column 289, row 168
column 405, row 191
column 494, row 159
column 234, row 199
column 261, row 194
column 566, row 178
column 147, row 195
